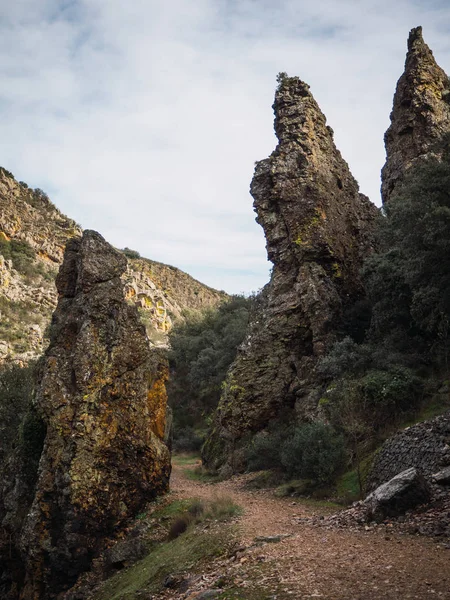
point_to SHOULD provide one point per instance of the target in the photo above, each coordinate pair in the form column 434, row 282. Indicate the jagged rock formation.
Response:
column 101, row 396
column 318, row 229
column 28, row 296
column 420, row 115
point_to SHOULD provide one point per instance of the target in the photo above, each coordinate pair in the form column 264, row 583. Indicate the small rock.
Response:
column 272, row 539
column 209, row 594
column 442, row 477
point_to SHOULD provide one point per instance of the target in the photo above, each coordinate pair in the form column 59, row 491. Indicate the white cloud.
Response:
column 143, row 119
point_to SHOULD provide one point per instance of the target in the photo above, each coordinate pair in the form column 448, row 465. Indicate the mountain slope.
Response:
column 33, row 235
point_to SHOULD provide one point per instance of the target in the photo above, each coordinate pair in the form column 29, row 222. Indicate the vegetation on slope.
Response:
column 202, row 349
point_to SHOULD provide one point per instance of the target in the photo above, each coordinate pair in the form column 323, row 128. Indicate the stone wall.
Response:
column 426, row 446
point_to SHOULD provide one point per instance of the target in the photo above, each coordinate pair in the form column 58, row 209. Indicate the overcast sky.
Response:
column 143, row 119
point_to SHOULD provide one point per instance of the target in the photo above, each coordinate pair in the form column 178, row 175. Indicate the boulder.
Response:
column 393, row 498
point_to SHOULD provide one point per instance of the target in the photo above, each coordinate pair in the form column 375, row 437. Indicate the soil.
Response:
column 306, row 560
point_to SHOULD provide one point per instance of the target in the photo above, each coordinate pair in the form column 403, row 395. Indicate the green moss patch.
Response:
column 187, row 551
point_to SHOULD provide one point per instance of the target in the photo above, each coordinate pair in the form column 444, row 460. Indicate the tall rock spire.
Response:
column 420, row 115
column 100, row 394
column 318, row 229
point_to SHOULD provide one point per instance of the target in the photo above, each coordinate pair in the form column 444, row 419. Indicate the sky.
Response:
column 143, row 119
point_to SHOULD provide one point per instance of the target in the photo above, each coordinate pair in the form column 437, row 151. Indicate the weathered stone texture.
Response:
column 318, row 229
column 420, row 115
column 406, row 490
column 101, row 395
column 425, row 446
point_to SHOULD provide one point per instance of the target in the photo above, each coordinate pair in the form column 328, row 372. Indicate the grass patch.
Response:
column 322, row 506
column 347, row 487
column 199, row 473
column 183, row 553
column 183, row 460
column 170, row 510
column 436, row 407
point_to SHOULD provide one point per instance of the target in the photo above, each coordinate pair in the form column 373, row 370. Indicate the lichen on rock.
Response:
column 100, row 392
column 318, row 229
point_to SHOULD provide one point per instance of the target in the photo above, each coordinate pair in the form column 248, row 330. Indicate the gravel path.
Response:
column 314, row 562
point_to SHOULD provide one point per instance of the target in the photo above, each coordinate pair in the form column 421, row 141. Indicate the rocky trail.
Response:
column 284, row 553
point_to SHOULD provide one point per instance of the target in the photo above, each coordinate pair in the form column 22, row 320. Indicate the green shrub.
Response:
column 314, row 451
column 16, row 392
column 343, row 358
column 131, row 253
column 21, row 254
column 202, row 350
column 264, row 451
column 187, row 440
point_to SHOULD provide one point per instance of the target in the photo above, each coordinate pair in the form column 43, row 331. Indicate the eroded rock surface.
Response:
column 101, row 395
column 420, row 115
column 318, row 229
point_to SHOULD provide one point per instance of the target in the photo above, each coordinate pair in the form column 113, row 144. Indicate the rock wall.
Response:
column 101, row 396
column 425, row 446
column 420, row 115
column 318, row 229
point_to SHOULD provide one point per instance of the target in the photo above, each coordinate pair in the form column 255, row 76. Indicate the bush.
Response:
column 314, row 451
column 264, row 451
column 202, row 350
column 187, row 440
column 131, row 253
column 16, row 391
column 344, row 357
column 19, row 251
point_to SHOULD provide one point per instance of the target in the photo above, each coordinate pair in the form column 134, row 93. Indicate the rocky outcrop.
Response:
column 420, row 115
column 425, row 446
column 101, row 396
column 318, row 229
column 34, row 232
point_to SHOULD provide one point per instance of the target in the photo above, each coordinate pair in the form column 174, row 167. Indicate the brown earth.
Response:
column 313, row 562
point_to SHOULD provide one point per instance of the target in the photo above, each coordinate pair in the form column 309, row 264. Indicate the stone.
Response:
column 209, row 594
column 125, row 552
column 272, row 539
column 393, row 498
column 442, row 477
column 318, row 230
column 100, row 393
column 420, row 116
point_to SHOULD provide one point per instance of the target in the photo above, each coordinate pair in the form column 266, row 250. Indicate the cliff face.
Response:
column 33, row 235
column 420, row 115
column 318, row 229
column 101, row 397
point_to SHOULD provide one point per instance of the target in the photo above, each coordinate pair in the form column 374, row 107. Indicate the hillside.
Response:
column 33, row 235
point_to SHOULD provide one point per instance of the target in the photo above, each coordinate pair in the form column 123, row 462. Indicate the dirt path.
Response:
column 315, row 562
